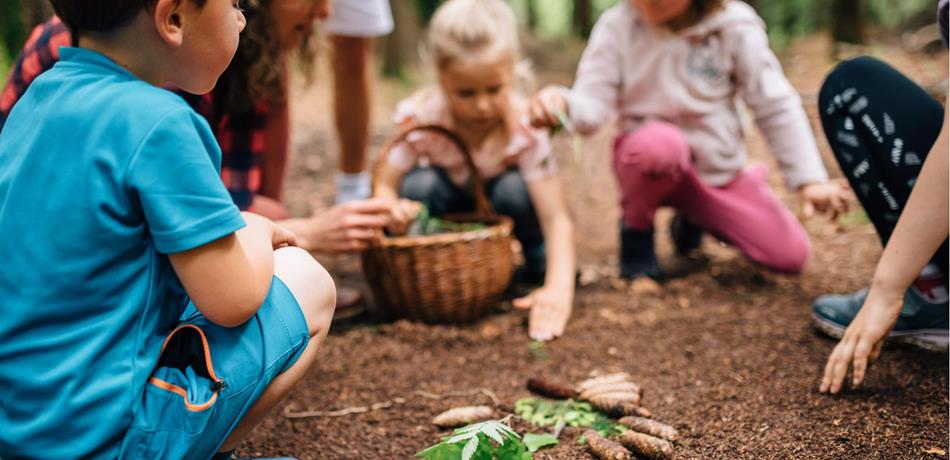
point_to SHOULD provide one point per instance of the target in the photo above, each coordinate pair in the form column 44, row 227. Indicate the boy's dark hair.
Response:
column 99, row 15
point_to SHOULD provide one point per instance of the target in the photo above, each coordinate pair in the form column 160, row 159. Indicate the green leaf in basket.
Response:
column 427, row 224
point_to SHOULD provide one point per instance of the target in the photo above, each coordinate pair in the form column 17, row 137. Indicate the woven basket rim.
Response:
column 501, row 228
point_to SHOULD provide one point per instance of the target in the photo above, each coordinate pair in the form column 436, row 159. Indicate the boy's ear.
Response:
column 170, row 21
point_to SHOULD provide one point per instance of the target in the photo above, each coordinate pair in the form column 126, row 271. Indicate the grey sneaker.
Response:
column 921, row 323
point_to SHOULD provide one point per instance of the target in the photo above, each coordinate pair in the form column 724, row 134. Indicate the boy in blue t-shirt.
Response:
column 144, row 316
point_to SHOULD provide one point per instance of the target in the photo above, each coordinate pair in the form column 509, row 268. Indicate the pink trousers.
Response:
column 653, row 168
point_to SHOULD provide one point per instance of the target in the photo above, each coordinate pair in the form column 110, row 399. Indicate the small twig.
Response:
column 387, row 404
column 343, row 412
column 491, row 395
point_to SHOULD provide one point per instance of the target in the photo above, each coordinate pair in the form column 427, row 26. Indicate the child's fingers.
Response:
column 523, row 302
column 360, row 234
column 354, row 246
column 840, row 203
column 840, row 369
column 828, row 377
column 365, row 220
column 370, row 206
column 807, row 209
column 537, row 330
column 542, row 116
column 860, row 363
column 875, row 351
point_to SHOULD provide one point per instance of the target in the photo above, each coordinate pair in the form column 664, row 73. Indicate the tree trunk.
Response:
column 425, row 8
column 582, row 18
column 36, row 12
column 399, row 47
column 532, row 15
column 848, row 21
column 11, row 28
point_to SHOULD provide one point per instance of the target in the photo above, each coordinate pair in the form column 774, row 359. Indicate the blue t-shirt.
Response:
column 101, row 176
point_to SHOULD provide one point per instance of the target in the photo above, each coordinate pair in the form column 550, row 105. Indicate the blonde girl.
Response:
column 475, row 51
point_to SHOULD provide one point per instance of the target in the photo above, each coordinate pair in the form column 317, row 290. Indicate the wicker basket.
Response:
column 444, row 278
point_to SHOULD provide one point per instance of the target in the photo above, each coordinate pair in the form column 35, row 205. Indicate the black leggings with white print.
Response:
column 880, row 126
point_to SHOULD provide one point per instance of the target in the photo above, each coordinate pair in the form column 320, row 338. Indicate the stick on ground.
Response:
column 615, row 409
column 650, row 427
column 612, row 387
column 646, row 445
column 460, row 416
column 605, row 449
column 550, row 389
column 604, row 379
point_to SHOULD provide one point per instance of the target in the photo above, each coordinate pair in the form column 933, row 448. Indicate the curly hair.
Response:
column 258, row 72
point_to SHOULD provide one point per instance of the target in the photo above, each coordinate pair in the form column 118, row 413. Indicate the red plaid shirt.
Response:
column 243, row 141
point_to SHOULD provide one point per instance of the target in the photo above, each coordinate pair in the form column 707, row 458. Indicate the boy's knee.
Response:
column 311, row 285
column 510, row 195
column 657, row 148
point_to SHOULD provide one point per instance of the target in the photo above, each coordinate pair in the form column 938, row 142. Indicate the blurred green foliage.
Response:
column 12, row 31
column 786, row 19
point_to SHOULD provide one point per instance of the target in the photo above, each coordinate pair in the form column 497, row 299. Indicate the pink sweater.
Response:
column 695, row 79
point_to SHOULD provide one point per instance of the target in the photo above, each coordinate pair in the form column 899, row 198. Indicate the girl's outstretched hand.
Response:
column 550, row 310
column 861, row 344
column 831, row 197
column 545, row 107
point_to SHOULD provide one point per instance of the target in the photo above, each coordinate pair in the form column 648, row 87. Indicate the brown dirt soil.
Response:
column 725, row 352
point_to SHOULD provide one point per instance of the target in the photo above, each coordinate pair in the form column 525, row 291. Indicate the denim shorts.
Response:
column 209, row 376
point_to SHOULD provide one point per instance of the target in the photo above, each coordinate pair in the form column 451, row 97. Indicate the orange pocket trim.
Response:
column 184, row 395
column 181, row 391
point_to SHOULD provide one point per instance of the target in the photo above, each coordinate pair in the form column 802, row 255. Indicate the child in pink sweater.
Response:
column 674, row 72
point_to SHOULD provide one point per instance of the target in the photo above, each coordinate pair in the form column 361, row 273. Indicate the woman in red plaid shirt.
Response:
column 249, row 114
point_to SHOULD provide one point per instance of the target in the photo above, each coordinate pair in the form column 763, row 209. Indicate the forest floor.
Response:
column 724, row 350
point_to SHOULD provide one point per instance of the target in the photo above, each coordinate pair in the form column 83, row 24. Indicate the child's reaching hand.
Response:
column 545, row 107
column 861, row 344
column 550, row 310
column 828, row 196
column 280, row 235
column 283, row 237
column 402, row 213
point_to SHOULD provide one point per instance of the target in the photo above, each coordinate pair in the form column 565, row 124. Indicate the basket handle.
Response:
column 482, row 205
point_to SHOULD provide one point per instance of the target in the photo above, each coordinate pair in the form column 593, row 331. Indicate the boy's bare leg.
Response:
column 314, row 290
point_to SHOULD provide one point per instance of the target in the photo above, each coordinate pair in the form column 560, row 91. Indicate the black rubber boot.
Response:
column 637, row 257
column 686, row 235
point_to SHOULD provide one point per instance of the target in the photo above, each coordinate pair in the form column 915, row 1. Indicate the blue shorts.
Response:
column 209, row 376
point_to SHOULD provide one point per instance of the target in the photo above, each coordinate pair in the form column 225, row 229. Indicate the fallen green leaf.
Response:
column 535, row 441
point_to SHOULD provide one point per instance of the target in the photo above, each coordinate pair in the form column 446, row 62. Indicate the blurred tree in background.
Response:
column 11, row 26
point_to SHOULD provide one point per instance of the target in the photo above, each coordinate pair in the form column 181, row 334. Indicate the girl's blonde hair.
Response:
column 471, row 29
column 468, row 30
